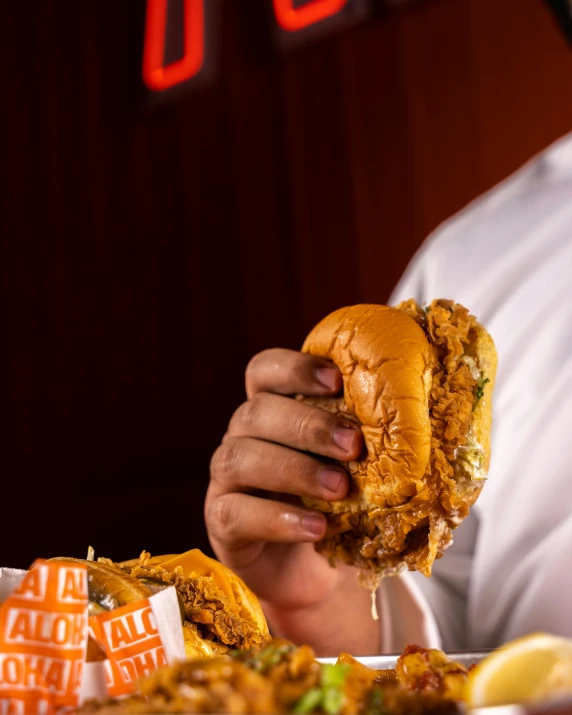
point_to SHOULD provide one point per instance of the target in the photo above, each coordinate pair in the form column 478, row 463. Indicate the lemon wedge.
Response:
column 529, row 669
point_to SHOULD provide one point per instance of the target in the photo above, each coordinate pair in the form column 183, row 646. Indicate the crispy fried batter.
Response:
column 423, row 670
column 397, row 701
column 205, row 604
column 217, row 685
column 293, row 671
column 283, row 678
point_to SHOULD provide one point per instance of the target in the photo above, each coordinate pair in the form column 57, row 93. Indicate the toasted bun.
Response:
column 410, row 380
column 386, row 363
column 108, row 587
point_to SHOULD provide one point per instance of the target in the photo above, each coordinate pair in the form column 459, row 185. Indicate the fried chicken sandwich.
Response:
column 219, row 613
column 418, row 381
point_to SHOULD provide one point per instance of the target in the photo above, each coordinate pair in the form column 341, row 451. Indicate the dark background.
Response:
column 148, row 254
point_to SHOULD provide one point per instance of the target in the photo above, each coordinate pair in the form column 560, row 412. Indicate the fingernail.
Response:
column 314, row 525
column 344, row 437
column 329, row 377
column 331, row 479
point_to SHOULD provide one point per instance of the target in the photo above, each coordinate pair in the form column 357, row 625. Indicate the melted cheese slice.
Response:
column 195, row 562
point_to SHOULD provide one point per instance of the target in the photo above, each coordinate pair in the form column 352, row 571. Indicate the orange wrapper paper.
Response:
column 44, row 629
column 43, row 639
column 138, row 639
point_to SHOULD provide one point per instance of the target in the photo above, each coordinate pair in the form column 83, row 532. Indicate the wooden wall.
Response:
column 146, row 255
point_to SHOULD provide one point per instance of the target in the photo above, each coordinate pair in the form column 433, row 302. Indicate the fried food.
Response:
column 383, row 677
column 213, row 685
column 283, row 678
column 419, row 383
column 220, row 611
column 292, row 670
column 422, row 670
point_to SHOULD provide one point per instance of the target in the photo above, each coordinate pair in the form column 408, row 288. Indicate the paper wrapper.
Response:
column 44, row 630
column 138, row 639
column 43, row 639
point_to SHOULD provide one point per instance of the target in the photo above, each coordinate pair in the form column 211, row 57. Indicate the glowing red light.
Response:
column 293, row 19
column 157, row 76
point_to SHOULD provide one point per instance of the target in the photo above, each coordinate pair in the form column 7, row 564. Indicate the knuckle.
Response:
column 292, row 473
column 224, row 462
column 300, row 370
column 233, row 423
column 240, row 418
column 248, row 414
column 310, row 427
column 254, row 368
column 302, row 367
column 283, row 473
column 221, row 517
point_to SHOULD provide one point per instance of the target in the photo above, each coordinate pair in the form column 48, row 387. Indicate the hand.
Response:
column 268, row 459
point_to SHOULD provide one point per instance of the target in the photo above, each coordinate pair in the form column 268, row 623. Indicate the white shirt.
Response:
column 508, row 258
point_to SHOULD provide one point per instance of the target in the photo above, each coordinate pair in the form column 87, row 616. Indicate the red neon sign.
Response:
column 157, row 76
column 293, row 19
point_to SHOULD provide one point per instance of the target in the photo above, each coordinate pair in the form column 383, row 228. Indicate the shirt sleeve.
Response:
column 430, row 612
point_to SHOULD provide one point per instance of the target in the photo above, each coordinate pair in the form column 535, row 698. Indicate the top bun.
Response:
column 419, row 383
column 387, row 363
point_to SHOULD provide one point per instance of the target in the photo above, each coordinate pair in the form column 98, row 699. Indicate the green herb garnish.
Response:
column 308, row 702
column 480, row 391
column 375, row 702
column 267, row 658
column 329, row 697
column 334, row 676
column 332, row 701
